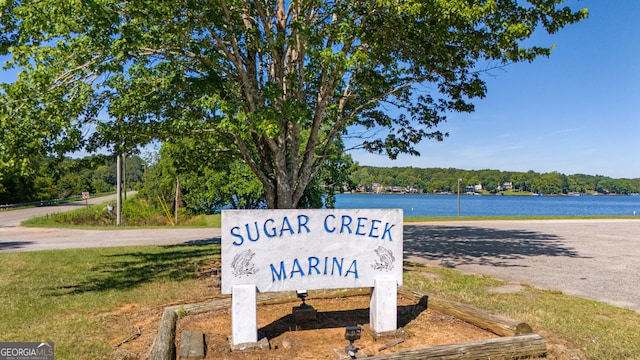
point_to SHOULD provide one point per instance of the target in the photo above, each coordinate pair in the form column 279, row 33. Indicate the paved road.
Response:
column 14, row 237
column 595, row 259
column 13, row 218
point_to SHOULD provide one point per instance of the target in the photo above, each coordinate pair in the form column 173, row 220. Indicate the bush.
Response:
column 135, row 212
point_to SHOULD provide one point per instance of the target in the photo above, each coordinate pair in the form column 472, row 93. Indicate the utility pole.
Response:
column 118, row 190
column 124, row 175
column 177, row 207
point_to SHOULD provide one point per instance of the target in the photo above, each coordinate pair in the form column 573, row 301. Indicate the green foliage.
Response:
column 135, row 212
column 206, row 221
column 277, row 81
column 56, row 178
column 235, row 187
column 211, row 181
column 433, row 180
column 73, row 184
column 334, row 177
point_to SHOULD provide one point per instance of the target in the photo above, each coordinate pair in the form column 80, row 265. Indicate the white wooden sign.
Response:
column 281, row 250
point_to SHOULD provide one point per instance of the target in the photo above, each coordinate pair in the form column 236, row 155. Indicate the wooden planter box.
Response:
column 517, row 338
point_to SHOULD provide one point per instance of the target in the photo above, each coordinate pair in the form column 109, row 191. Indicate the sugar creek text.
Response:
column 332, row 224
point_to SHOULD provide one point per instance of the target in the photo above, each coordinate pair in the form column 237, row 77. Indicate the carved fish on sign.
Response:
column 385, row 259
column 242, row 263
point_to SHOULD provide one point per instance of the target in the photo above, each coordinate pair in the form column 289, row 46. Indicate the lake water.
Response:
column 493, row 205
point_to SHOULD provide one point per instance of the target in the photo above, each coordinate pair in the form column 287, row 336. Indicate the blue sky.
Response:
column 577, row 111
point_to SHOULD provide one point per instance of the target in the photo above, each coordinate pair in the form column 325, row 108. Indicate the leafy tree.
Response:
column 58, row 177
column 158, row 184
column 491, row 179
column 586, row 183
column 103, row 179
column 552, row 183
column 280, row 81
column 134, row 170
column 212, row 181
column 235, row 187
column 15, row 187
column 605, row 185
column 73, row 184
column 471, row 180
column 439, row 181
column 333, row 177
column 209, row 181
column 523, row 181
column 34, row 183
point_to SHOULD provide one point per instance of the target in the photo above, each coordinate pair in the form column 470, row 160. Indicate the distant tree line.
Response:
column 51, row 178
column 207, row 182
column 184, row 169
column 436, row 180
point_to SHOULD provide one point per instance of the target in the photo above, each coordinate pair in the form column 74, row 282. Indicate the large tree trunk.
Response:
column 283, row 196
column 283, row 173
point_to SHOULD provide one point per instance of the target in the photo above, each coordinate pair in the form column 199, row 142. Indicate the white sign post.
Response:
column 284, row 250
column 244, row 321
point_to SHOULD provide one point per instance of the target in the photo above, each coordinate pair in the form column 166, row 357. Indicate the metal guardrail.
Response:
column 41, row 202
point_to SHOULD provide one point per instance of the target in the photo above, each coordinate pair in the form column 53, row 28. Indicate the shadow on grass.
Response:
column 464, row 245
column 131, row 269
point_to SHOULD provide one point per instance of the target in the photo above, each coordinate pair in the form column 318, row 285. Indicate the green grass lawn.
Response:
column 72, row 297
column 62, row 220
column 62, row 296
